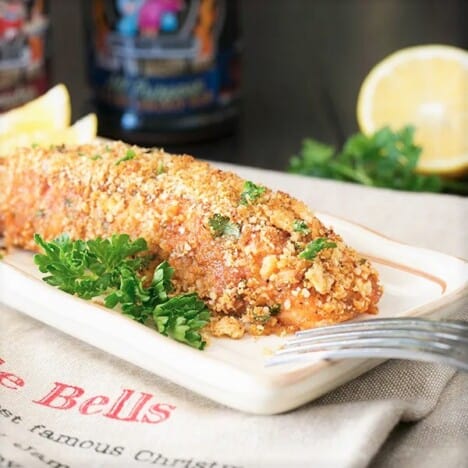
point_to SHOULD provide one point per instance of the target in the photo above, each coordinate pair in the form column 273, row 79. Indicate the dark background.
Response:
column 303, row 63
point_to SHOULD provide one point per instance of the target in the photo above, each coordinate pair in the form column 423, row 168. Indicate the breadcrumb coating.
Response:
column 252, row 278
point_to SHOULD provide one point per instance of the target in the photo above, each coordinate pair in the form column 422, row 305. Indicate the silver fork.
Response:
column 416, row 339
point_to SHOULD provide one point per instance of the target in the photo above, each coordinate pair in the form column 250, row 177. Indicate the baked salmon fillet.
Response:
column 260, row 259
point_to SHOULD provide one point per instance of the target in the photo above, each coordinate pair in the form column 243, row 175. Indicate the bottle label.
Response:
column 163, row 57
column 23, row 27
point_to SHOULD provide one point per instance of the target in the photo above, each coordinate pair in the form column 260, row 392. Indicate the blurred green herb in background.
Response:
column 385, row 159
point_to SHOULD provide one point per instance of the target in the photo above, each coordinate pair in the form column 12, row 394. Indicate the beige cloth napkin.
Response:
column 399, row 414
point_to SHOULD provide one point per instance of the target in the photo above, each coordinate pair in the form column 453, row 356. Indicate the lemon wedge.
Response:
column 427, row 87
column 51, row 111
column 83, row 131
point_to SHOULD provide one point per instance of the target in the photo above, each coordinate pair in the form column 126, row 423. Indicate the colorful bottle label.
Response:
column 23, row 28
column 163, row 57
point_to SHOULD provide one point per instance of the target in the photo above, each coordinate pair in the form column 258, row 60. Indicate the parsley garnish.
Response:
column 275, row 309
column 181, row 317
column 313, row 248
column 130, row 154
column 262, row 317
column 300, row 226
column 160, row 168
column 96, row 157
column 265, row 313
column 111, row 268
column 222, row 226
column 251, row 192
column 385, row 159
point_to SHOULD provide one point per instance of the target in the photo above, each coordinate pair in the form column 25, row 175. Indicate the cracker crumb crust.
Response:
column 169, row 200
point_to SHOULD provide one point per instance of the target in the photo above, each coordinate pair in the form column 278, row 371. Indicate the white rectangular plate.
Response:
column 416, row 282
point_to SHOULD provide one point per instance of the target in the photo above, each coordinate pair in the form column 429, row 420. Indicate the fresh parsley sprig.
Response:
column 385, row 159
column 222, row 226
column 317, row 245
column 129, row 155
column 112, row 268
column 251, row 192
column 300, row 226
column 181, row 317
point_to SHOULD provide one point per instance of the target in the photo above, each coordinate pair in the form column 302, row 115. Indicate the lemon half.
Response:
column 427, row 87
column 51, row 111
column 83, row 131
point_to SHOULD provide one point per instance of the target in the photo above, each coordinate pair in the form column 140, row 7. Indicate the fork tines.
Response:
column 402, row 338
